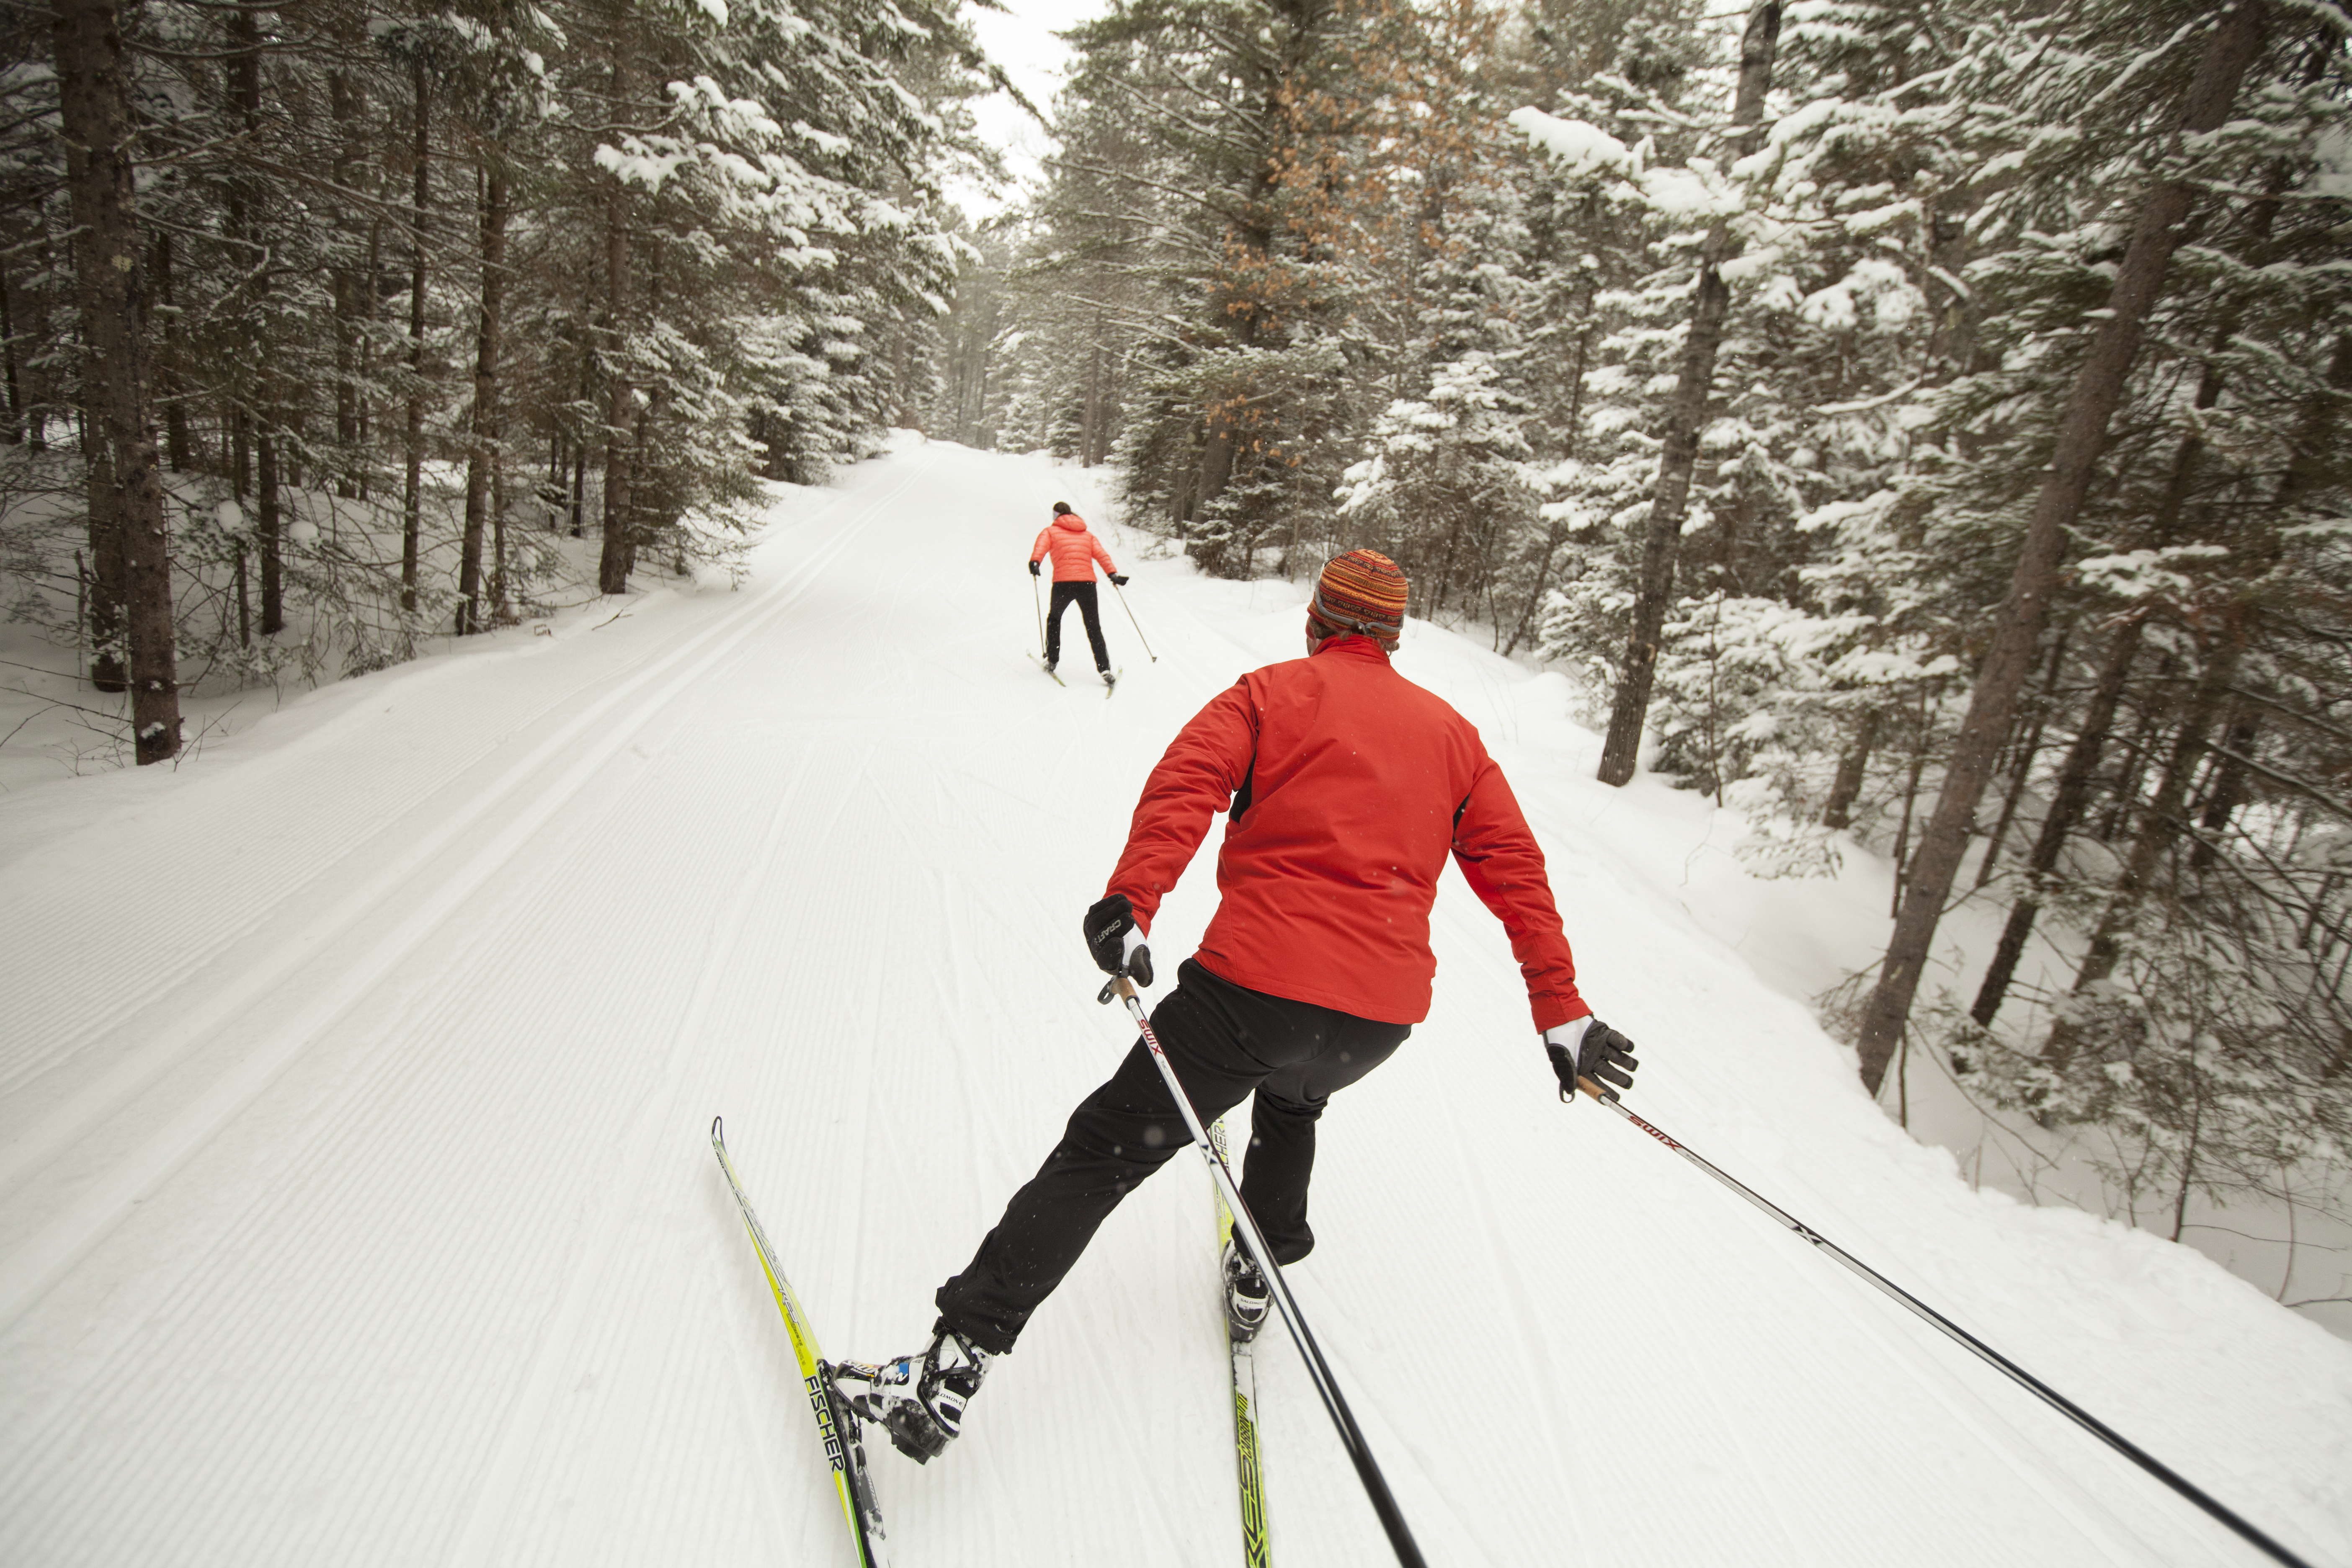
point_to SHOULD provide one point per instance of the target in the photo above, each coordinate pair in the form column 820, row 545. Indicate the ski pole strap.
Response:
column 1253, row 1240
column 1983, row 1351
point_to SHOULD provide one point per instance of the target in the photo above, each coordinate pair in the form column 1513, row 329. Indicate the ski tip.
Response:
column 718, row 1129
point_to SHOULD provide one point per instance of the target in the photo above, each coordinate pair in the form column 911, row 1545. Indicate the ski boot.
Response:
column 921, row 1400
column 1247, row 1297
column 1109, row 679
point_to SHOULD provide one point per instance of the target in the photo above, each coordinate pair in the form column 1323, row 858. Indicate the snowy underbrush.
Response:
column 341, row 597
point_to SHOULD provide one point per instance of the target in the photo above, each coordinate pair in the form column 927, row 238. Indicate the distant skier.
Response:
column 1075, row 550
column 1348, row 785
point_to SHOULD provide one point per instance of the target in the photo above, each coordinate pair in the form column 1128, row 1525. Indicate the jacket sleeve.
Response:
column 1101, row 554
column 1196, row 778
column 1045, row 535
column 1499, row 858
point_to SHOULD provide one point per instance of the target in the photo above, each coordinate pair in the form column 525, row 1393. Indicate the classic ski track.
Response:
column 489, row 1512
column 138, row 1069
column 148, row 988
column 33, row 1266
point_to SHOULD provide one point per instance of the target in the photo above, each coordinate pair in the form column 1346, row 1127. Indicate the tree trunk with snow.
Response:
column 2066, row 802
column 412, row 502
column 1685, row 417
column 94, row 114
column 482, row 455
column 612, row 562
column 2017, row 629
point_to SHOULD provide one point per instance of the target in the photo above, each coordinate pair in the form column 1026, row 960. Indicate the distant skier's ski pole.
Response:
column 1376, row 1487
column 2024, row 1379
column 1035, row 597
column 1133, row 622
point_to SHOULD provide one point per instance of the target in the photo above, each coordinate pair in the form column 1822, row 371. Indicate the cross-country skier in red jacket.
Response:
column 1075, row 550
column 1348, row 787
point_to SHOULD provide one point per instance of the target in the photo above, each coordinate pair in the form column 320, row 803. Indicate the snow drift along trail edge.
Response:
column 1991, row 1357
column 845, row 1444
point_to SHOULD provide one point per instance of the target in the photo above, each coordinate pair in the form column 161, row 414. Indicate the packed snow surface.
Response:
column 357, row 1202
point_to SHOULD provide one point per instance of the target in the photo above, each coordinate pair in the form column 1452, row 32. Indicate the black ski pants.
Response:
column 1083, row 595
column 1223, row 1041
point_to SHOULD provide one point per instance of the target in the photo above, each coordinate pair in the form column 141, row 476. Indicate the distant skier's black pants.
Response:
column 1083, row 595
column 1223, row 1042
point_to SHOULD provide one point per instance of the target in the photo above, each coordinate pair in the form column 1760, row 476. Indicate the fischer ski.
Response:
column 1255, row 1552
column 1039, row 661
column 844, row 1438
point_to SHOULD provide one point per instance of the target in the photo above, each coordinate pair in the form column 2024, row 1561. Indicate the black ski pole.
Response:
column 1036, row 598
column 1133, row 622
column 2016, row 1373
column 1245, row 1230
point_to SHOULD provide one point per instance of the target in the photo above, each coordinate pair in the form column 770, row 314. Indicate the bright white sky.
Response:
column 1020, row 38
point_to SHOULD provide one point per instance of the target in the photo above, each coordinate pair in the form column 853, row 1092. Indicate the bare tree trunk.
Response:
column 480, row 458
column 94, row 114
column 109, row 670
column 613, row 563
column 16, row 427
column 2017, row 630
column 2022, row 767
column 1685, row 414
column 1092, row 421
column 171, row 385
column 2066, row 802
column 412, row 497
column 348, row 285
column 2229, row 791
column 269, row 533
column 2159, row 826
column 1853, row 769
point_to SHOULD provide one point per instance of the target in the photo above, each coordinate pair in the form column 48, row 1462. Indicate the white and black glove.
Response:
column 1117, row 941
column 1587, row 1047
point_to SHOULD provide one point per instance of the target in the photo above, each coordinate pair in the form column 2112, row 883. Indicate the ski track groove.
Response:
column 140, row 1067
column 479, row 1540
column 39, row 1046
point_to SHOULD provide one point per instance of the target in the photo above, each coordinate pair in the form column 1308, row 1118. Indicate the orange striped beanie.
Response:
column 1362, row 591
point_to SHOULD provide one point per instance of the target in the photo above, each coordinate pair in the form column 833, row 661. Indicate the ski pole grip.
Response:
column 1605, row 1095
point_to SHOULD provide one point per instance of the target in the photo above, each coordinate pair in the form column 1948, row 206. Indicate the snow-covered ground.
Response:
column 356, row 1202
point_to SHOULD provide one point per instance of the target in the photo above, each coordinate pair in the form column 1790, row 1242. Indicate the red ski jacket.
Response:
column 1348, row 785
column 1075, row 550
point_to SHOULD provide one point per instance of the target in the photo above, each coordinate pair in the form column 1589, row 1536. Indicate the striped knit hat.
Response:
column 1361, row 591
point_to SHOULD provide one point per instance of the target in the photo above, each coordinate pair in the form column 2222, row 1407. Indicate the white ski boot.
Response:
column 1247, row 1296
column 921, row 1400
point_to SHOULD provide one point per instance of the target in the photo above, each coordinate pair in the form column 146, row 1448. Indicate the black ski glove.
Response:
column 1117, row 580
column 1116, row 942
column 1589, row 1049
column 1033, row 570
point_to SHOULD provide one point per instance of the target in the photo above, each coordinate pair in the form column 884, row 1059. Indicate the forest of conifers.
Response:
column 1927, row 422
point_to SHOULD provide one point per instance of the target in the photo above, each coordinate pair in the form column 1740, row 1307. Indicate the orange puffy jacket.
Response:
column 1348, row 787
column 1075, row 550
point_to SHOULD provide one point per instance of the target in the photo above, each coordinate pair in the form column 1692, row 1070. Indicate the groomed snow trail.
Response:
column 356, row 1204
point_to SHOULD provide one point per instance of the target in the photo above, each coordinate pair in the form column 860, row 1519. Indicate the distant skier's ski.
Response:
column 1038, row 659
column 1255, row 1553
column 1112, row 684
column 844, row 1444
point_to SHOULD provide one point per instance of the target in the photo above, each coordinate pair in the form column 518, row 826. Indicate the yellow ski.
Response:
column 844, row 1444
column 1254, row 1550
